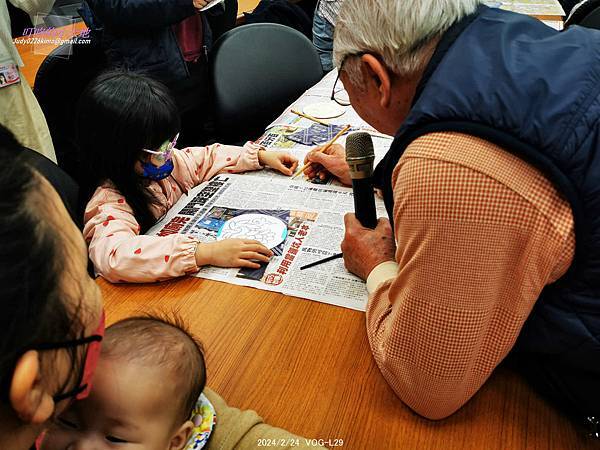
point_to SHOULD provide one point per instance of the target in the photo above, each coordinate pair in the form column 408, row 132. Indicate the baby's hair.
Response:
column 165, row 341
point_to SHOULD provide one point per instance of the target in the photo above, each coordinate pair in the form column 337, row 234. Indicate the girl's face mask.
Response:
column 160, row 164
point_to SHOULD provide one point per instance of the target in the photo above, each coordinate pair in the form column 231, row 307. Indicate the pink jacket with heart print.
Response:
column 120, row 253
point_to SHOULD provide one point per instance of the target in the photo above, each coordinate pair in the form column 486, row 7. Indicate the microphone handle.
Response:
column 364, row 202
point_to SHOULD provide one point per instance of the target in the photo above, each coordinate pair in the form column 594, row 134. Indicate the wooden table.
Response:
column 246, row 6
column 307, row 367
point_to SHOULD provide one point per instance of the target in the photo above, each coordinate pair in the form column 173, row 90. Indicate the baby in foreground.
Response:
column 146, row 390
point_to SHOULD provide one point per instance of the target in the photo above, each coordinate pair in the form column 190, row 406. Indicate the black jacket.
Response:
column 138, row 34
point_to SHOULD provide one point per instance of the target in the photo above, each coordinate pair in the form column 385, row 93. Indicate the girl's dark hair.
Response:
column 32, row 269
column 119, row 114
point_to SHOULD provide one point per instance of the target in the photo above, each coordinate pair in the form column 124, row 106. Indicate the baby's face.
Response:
column 130, row 406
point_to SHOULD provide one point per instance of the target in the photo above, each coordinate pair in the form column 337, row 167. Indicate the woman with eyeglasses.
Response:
column 52, row 321
column 127, row 129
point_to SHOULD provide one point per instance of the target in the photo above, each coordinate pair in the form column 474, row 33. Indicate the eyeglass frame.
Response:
column 79, row 387
column 166, row 154
column 337, row 79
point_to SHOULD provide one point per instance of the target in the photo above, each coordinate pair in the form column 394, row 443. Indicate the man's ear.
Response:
column 182, row 436
column 375, row 72
column 28, row 397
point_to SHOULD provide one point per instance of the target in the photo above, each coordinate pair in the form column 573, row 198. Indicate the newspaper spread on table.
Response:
column 313, row 215
column 538, row 8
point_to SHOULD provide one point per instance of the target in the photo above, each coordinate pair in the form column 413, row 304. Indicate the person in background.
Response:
column 163, row 40
column 323, row 27
column 167, row 40
column 19, row 109
column 492, row 247
column 222, row 18
column 52, row 320
column 127, row 126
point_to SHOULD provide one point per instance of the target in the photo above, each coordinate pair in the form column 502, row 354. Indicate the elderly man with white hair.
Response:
column 492, row 188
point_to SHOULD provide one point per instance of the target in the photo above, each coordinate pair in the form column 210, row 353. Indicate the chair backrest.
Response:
column 256, row 71
column 586, row 15
column 59, row 82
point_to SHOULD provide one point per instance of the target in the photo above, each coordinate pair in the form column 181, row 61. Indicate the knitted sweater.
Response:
column 240, row 430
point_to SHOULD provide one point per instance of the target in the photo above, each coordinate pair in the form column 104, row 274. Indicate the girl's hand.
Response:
column 232, row 253
column 199, row 4
column 280, row 161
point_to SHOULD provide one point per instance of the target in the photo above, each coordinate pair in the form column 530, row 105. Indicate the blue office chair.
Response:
column 256, row 71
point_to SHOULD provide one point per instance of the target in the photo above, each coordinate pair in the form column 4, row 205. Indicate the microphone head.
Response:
column 360, row 155
column 359, row 145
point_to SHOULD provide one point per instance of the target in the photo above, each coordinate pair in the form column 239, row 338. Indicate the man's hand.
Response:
column 332, row 161
column 364, row 249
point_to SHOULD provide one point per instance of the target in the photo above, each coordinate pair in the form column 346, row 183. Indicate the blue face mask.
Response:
column 157, row 173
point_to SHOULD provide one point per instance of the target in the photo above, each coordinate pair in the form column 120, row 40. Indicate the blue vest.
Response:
column 535, row 92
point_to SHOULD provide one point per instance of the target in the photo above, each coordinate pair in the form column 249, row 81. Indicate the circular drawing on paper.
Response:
column 324, row 110
column 268, row 230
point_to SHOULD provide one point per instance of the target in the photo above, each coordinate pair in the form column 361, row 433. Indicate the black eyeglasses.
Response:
column 339, row 95
column 92, row 353
column 82, row 384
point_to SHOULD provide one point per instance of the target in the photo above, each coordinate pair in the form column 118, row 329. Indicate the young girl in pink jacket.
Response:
column 132, row 174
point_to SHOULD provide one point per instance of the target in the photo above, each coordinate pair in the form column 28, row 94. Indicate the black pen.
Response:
column 321, row 261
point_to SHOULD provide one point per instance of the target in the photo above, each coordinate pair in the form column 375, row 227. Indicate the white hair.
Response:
column 399, row 31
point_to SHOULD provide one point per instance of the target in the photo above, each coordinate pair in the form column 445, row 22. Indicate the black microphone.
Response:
column 360, row 157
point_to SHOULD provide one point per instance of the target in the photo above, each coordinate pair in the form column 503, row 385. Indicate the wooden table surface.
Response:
column 306, row 366
column 246, row 6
